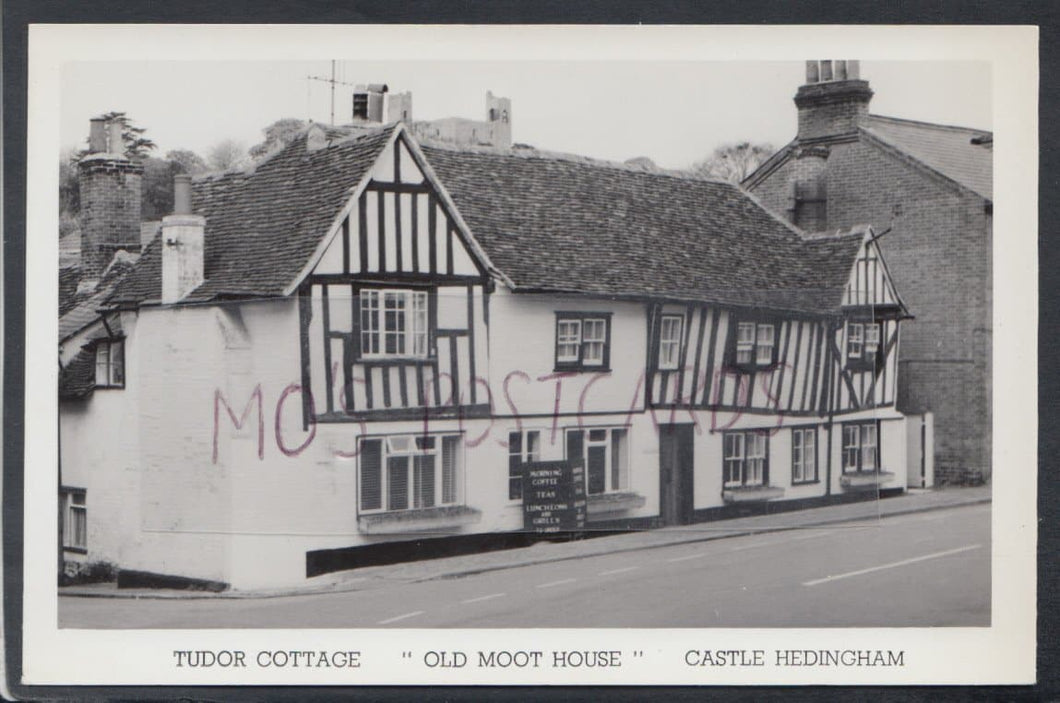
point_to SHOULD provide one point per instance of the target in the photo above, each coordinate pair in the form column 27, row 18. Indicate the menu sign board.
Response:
column 553, row 496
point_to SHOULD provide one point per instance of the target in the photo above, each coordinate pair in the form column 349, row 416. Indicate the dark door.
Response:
column 675, row 474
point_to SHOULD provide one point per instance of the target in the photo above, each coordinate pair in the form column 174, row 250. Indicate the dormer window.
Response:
column 755, row 345
column 110, row 363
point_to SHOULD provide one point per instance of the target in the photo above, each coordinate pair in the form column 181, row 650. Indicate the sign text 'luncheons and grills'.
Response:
column 553, row 496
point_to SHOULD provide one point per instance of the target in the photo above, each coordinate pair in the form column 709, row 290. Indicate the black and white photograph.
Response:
column 530, row 343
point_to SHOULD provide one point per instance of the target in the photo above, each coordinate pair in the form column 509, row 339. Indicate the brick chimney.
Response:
column 833, row 101
column 183, row 244
column 110, row 186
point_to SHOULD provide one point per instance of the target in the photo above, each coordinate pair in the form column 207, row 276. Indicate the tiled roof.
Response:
column 78, row 378
column 948, row 150
column 559, row 224
column 69, row 277
column 547, row 222
column 262, row 227
column 78, row 310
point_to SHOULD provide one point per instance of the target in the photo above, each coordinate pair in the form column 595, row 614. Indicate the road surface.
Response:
column 923, row 569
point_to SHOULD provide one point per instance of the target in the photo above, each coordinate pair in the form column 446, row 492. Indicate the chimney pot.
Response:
column 182, row 194
column 812, row 72
column 115, row 145
column 97, row 135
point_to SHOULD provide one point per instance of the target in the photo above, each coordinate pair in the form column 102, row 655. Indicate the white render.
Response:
column 180, row 482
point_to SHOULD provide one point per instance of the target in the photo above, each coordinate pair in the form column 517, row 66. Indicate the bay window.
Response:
column 407, row 472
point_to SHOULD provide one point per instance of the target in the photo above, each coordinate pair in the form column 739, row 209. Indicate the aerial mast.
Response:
column 332, row 82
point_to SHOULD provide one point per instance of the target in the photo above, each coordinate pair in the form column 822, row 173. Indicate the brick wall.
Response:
column 110, row 210
column 939, row 254
column 831, row 108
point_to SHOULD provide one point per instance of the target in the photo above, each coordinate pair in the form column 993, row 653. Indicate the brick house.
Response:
column 929, row 187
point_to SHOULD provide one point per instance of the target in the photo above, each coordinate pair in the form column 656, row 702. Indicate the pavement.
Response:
column 373, row 577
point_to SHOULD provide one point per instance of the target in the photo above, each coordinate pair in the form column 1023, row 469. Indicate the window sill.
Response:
column 418, row 520
column 862, row 480
column 75, row 550
column 581, row 369
column 610, row 503
column 751, row 494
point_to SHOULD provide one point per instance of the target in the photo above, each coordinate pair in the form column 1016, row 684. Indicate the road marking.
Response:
column 618, row 571
column 413, row 614
column 892, row 565
column 686, row 558
column 482, row 598
column 550, row 584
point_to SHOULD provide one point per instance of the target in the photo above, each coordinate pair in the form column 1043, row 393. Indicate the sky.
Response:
column 672, row 112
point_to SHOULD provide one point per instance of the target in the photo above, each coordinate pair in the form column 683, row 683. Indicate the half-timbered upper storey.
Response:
column 393, row 252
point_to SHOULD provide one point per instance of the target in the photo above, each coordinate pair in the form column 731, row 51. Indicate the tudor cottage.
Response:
column 366, row 340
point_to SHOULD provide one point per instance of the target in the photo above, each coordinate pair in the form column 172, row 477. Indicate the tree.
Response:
column 136, row 144
column 277, row 135
column 227, row 155
column 187, row 161
column 157, row 200
column 733, row 162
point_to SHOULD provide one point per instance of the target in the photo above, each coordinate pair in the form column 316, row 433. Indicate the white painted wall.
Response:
column 100, row 451
column 162, row 503
column 523, row 350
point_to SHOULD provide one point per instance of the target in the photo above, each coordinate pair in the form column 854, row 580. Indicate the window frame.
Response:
column 416, row 311
column 676, row 345
column 415, row 450
column 865, row 357
column 109, row 344
column 623, row 473
column 735, row 344
column 578, row 361
column 811, row 476
column 859, row 448
column 69, row 508
column 517, row 456
column 741, row 461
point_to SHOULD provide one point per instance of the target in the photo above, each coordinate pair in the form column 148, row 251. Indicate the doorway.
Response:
column 675, row 474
